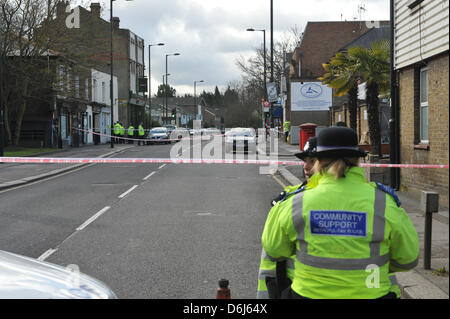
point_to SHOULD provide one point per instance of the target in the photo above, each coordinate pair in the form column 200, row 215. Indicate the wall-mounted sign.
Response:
column 310, row 96
column 272, row 95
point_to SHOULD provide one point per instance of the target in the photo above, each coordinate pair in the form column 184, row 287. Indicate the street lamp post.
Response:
column 265, row 59
column 1, row 107
column 150, row 80
column 195, row 90
column 265, row 67
column 111, row 85
column 166, row 86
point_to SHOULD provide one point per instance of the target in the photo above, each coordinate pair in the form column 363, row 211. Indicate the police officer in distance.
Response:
column 335, row 260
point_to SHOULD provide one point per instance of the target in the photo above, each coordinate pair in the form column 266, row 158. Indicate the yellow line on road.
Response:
column 278, row 181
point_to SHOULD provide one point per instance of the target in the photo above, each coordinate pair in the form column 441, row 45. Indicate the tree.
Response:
column 24, row 60
column 163, row 89
column 342, row 77
column 364, row 65
column 373, row 67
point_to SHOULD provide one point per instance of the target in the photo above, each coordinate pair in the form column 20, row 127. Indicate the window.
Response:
column 61, row 77
column 77, row 86
column 86, row 89
column 103, row 92
column 424, row 105
column 68, row 82
column 94, row 90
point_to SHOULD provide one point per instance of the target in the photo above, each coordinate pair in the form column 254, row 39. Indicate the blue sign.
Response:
column 338, row 223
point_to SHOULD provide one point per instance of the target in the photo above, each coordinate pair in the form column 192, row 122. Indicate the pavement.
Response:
column 416, row 284
column 419, row 283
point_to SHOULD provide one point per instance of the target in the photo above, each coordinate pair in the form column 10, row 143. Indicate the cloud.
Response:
column 210, row 34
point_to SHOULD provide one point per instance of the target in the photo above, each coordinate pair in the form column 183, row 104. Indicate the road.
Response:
column 146, row 230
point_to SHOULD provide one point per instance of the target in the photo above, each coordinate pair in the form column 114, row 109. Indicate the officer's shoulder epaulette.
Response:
column 390, row 191
column 301, row 189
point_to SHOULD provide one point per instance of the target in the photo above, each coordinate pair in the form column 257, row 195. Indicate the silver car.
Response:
column 28, row 278
column 240, row 140
column 158, row 135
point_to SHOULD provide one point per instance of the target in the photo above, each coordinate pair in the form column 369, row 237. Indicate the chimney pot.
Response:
column 95, row 9
column 116, row 22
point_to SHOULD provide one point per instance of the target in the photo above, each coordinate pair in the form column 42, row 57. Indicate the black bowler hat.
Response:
column 338, row 141
column 309, row 150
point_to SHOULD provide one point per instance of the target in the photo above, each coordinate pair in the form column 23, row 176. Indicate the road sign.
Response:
column 272, row 95
column 266, row 104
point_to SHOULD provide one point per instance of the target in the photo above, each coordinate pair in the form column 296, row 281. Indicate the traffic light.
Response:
column 174, row 113
column 266, row 115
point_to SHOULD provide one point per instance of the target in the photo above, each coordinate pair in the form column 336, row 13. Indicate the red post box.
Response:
column 307, row 130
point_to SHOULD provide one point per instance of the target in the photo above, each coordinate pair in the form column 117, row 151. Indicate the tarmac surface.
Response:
column 416, row 284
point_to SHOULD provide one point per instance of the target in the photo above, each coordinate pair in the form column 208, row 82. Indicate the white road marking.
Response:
column 162, row 166
column 90, row 220
column 148, row 176
column 47, row 254
column 128, row 191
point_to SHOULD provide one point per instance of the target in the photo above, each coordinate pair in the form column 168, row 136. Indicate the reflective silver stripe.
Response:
column 342, row 263
column 262, row 294
column 265, row 256
column 290, row 263
column 405, row 266
column 263, row 273
column 393, row 279
column 297, row 216
column 379, row 222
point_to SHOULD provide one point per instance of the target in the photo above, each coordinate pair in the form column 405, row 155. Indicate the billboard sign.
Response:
column 310, row 96
column 272, row 95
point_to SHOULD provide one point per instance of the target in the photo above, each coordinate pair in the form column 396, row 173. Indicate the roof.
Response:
column 321, row 40
column 365, row 40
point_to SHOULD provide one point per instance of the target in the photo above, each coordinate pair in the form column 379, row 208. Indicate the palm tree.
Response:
column 341, row 76
column 372, row 66
column 364, row 65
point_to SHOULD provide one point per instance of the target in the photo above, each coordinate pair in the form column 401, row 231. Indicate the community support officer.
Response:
column 274, row 277
column 348, row 235
column 308, row 158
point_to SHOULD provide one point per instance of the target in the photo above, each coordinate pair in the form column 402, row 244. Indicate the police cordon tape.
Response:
column 98, row 160
column 147, row 139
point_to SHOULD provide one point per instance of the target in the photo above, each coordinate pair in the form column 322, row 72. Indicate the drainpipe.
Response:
column 394, row 122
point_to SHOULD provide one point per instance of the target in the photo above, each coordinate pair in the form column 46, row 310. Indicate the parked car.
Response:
column 170, row 127
column 28, row 278
column 158, row 135
column 240, row 140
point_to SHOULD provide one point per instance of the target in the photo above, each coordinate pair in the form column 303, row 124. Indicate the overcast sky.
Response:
column 210, row 34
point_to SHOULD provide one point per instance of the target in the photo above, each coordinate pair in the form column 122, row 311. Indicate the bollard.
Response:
column 223, row 292
column 429, row 205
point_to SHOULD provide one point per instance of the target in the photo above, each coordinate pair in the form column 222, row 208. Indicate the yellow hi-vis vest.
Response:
column 130, row 130
column 117, row 128
column 141, row 130
column 122, row 130
column 348, row 237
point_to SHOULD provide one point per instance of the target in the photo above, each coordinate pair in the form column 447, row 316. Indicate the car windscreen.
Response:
column 244, row 133
column 158, row 131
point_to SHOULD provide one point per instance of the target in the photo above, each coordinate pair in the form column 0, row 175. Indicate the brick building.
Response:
column 422, row 68
column 320, row 42
column 89, row 43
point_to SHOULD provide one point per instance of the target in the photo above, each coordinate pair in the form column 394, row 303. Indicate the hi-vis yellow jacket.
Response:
column 347, row 235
